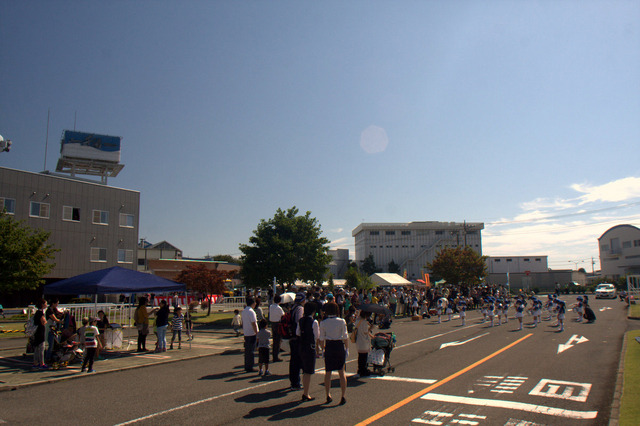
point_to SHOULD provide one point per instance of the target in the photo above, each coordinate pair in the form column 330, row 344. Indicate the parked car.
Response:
column 606, row 290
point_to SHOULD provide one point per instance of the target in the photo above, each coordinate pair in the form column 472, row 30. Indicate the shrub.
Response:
column 193, row 306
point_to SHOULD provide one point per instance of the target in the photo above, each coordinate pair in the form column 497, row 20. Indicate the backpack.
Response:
column 287, row 327
column 30, row 328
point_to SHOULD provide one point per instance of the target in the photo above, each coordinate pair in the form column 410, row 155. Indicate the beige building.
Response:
column 412, row 245
column 620, row 251
column 94, row 226
column 161, row 250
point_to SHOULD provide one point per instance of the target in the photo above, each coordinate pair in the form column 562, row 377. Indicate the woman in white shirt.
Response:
column 363, row 342
column 334, row 339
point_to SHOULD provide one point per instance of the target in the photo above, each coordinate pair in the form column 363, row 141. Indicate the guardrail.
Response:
column 116, row 313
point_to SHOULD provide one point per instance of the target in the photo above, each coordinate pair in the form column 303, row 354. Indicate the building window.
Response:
column 389, row 232
column 141, row 262
column 39, row 210
column 526, row 260
column 374, row 232
column 405, row 233
column 509, row 260
column 126, row 220
column 98, row 254
column 604, row 247
column 626, row 244
column 538, row 259
column 8, row 205
column 100, row 217
column 439, row 232
column 496, row 260
column 70, row 213
column 125, row 256
column 636, row 243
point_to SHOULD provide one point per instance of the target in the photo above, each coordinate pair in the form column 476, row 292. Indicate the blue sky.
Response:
column 520, row 114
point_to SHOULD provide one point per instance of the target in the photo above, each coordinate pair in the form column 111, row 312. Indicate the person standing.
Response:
column 308, row 331
column 363, row 342
column 141, row 318
column 177, row 323
column 250, row 330
column 263, row 339
column 275, row 315
column 39, row 322
column 295, row 362
column 162, row 322
column 334, row 340
column 91, row 344
column 54, row 318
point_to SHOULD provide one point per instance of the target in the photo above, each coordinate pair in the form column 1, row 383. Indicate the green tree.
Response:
column 459, row 266
column 24, row 255
column 393, row 267
column 369, row 265
column 331, row 285
column 358, row 280
column 204, row 280
column 288, row 247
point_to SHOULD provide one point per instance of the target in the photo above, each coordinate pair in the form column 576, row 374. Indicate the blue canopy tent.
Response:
column 113, row 281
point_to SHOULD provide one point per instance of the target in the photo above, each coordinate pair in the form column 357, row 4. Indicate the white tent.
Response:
column 383, row 279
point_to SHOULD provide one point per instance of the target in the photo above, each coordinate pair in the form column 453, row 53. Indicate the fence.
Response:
column 121, row 314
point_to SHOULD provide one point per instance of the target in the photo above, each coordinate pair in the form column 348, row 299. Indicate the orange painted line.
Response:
column 417, row 395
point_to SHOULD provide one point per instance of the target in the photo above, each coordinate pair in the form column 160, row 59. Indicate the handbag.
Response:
column 354, row 334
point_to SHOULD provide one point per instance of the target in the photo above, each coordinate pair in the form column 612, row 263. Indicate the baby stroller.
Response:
column 65, row 349
column 380, row 354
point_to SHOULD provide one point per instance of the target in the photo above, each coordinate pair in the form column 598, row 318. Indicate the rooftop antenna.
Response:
column 46, row 143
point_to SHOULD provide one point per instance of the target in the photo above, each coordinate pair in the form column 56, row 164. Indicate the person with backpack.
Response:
column 295, row 361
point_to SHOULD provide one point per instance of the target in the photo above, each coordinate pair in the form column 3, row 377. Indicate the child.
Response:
column 449, row 309
column 262, row 338
column 92, row 343
column 462, row 309
column 520, row 304
column 188, row 324
column 176, row 326
column 81, row 338
column 236, row 322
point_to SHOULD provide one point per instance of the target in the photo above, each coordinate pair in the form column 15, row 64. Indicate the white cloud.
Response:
column 557, row 228
column 615, row 191
column 336, row 230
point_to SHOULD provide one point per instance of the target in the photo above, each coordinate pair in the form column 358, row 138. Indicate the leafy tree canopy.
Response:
column 393, row 267
column 462, row 266
column 204, row 280
column 24, row 255
column 288, row 247
column 358, row 280
column 369, row 265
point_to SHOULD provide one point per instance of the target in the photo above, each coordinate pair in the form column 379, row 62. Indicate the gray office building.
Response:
column 95, row 226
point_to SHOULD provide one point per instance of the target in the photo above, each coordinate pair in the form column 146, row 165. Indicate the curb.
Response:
column 614, row 417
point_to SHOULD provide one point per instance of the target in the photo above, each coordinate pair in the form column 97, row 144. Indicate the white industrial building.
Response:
column 516, row 264
column 620, row 251
column 414, row 244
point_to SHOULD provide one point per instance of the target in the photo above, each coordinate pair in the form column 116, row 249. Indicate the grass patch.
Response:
column 629, row 407
column 215, row 320
column 634, row 310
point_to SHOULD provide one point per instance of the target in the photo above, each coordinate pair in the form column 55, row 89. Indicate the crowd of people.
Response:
column 322, row 323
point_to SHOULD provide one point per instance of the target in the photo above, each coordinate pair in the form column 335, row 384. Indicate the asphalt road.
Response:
column 445, row 374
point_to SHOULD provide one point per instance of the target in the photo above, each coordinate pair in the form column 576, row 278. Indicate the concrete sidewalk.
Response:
column 15, row 366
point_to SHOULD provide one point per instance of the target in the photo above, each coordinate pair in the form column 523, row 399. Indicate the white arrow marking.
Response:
column 444, row 345
column 574, row 340
column 605, row 308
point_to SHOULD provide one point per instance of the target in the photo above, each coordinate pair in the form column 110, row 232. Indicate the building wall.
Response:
column 339, row 262
column 620, row 251
column 75, row 238
column 543, row 281
column 412, row 245
column 516, row 264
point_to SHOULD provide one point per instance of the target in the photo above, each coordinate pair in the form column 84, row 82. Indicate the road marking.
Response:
column 512, row 405
column 404, row 379
column 440, row 383
column 444, row 345
column 516, row 422
column 574, row 340
column 436, row 417
column 567, row 388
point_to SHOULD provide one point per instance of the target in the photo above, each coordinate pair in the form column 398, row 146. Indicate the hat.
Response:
column 329, row 296
column 300, row 297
